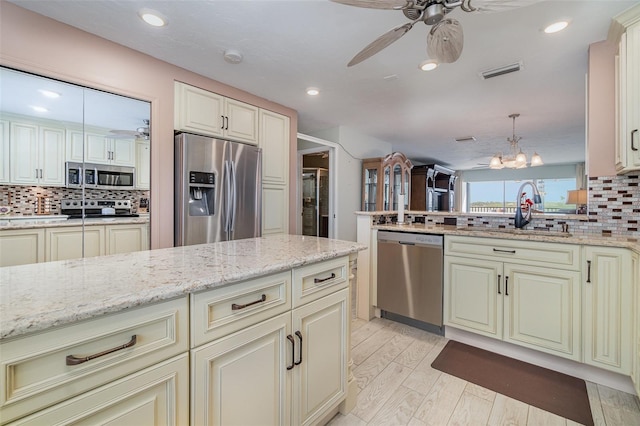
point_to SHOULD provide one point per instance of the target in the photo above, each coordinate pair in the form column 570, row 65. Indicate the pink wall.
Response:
column 33, row 43
column 601, row 110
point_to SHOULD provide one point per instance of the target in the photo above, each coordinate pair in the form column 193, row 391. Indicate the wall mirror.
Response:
column 75, row 171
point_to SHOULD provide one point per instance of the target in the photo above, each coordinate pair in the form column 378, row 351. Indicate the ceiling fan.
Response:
column 140, row 133
column 445, row 38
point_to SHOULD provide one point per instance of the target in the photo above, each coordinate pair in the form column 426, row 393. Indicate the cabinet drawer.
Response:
column 319, row 279
column 216, row 313
column 34, row 369
column 554, row 255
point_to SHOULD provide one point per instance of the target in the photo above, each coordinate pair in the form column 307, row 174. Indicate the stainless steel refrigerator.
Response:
column 217, row 190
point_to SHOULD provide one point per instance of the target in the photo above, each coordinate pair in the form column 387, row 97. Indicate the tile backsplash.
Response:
column 22, row 199
column 614, row 209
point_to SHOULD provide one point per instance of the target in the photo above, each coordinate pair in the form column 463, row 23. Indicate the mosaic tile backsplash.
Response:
column 22, row 199
column 614, row 209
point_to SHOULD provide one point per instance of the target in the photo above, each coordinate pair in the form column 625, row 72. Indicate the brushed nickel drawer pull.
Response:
column 72, row 360
column 588, row 271
column 235, row 307
column 320, row 280
column 633, row 146
column 504, row 251
column 499, row 277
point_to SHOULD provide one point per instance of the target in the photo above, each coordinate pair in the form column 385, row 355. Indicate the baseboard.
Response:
column 566, row 366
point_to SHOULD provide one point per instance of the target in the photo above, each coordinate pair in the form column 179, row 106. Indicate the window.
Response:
column 500, row 196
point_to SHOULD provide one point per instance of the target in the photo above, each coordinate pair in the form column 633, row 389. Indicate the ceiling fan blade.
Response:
column 374, row 4
column 488, row 6
column 380, row 43
column 445, row 41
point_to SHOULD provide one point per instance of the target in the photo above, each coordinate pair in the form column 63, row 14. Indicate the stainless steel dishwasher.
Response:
column 410, row 278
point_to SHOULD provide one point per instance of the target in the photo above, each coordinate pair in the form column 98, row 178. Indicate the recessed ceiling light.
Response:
column 428, row 65
column 556, row 26
column 312, row 91
column 49, row 93
column 153, row 18
column 39, row 108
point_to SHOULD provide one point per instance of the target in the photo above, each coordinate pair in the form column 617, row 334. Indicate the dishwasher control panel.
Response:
column 411, row 238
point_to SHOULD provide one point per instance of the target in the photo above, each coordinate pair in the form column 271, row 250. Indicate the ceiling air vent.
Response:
column 505, row 69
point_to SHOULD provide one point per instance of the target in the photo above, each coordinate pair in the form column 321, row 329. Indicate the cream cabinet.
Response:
column 4, row 151
column 129, row 365
column 101, row 149
column 608, row 308
column 22, row 246
column 74, row 242
column 508, row 290
column 635, row 346
column 143, row 164
column 126, row 238
column 75, row 145
column 627, row 152
column 275, row 209
column 37, row 154
column 203, row 112
column 290, row 368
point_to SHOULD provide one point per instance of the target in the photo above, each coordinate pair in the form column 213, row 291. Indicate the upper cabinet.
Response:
column 143, row 164
column 4, row 151
column 626, row 29
column 37, row 154
column 383, row 180
column 206, row 113
column 104, row 150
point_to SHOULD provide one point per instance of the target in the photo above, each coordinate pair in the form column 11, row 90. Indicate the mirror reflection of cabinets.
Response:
column 432, row 188
column 383, row 179
column 44, row 124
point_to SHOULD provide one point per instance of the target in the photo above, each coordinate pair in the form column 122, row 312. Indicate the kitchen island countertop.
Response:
column 39, row 296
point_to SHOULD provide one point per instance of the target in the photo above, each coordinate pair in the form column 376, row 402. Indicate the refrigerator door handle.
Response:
column 227, row 196
column 234, row 198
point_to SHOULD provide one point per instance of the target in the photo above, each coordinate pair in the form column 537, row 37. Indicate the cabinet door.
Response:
column 274, row 141
column 75, row 146
column 275, row 209
column 21, row 247
column 143, row 164
column 198, row 111
column 51, row 156
column 241, row 122
column 24, row 153
column 74, row 242
column 473, row 295
column 542, row 309
column 126, row 238
column 4, row 151
column 97, row 149
column 158, row 395
column 320, row 374
column 242, row 379
column 123, row 152
column 608, row 309
column 635, row 263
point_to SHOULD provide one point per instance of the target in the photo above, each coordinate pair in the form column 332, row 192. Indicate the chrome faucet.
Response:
column 521, row 221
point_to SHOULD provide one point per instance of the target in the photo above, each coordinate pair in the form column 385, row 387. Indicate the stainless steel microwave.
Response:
column 99, row 176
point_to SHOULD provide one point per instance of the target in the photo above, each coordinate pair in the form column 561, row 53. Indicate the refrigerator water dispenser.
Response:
column 201, row 194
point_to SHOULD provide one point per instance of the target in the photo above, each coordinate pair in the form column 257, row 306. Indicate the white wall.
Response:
column 353, row 147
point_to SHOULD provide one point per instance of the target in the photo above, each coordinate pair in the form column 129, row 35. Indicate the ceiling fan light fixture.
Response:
column 428, row 65
column 153, row 18
column 556, row 27
column 434, row 14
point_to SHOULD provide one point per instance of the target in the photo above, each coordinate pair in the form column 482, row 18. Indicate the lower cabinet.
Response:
column 126, row 238
column 21, row 246
column 286, row 370
column 74, row 242
column 527, row 305
column 158, row 395
column 635, row 262
column 608, row 309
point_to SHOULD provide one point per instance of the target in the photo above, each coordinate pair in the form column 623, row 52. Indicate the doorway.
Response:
column 315, row 204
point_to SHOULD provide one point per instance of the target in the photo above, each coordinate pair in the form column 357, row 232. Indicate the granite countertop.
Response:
column 43, row 295
column 59, row 221
column 518, row 234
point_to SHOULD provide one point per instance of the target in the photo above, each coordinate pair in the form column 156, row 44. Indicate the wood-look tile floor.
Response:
column 397, row 386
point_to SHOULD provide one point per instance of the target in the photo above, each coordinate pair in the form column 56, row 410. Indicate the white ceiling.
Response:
column 291, row 45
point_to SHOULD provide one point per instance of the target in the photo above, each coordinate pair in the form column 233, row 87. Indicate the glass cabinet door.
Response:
column 406, row 189
column 387, row 189
column 370, row 189
column 397, row 185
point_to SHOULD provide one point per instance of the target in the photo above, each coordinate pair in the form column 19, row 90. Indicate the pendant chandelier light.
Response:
column 516, row 159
